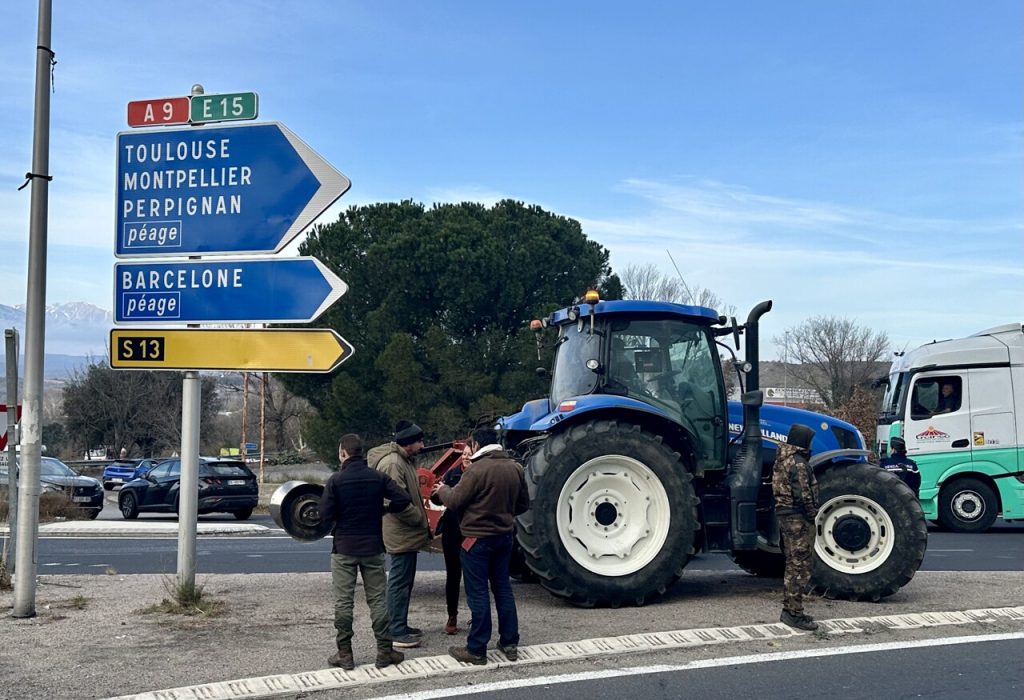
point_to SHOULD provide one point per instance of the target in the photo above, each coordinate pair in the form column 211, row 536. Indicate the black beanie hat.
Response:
column 407, row 432
column 800, row 436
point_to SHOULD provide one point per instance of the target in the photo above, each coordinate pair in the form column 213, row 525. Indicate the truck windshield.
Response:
column 571, row 376
column 892, row 400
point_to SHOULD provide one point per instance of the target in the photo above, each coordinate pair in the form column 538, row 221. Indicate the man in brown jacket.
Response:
column 404, row 533
column 489, row 496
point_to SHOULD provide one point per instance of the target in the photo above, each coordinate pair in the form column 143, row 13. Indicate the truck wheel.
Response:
column 967, row 505
column 870, row 533
column 766, row 561
column 613, row 516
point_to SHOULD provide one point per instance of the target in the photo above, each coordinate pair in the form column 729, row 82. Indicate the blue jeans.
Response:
column 485, row 563
column 401, row 574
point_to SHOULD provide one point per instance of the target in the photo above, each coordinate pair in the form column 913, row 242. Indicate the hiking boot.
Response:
column 798, row 620
column 511, row 651
column 387, row 657
column 343, row 659
column 452, row 626
column 466, row 656
column 407, row 641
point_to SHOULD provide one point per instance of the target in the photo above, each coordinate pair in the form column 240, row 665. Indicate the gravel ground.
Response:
column 91, row 639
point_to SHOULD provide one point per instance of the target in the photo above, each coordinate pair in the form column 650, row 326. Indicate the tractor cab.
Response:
column 657, row 354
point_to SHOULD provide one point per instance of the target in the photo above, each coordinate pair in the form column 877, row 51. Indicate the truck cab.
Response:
column 959, row 405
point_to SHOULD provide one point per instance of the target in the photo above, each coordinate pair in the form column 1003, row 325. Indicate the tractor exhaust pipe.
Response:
column 753, row 352
column 745, row 472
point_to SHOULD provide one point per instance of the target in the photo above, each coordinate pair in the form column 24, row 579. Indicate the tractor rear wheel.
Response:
column 870, row 533
column 613, row 515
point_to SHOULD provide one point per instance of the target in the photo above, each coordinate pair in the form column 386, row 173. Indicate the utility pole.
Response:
column 35, row 327
column 11, row 341
column 263, row 421
column 245, row 414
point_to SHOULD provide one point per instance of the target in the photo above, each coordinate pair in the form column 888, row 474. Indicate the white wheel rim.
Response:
column 880, row 542
column 963, row 498
column 613, row 515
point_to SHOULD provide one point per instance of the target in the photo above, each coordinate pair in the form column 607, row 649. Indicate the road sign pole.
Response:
column 188, row 491
column 35, row 325
column 11, row 341
column 188, row 494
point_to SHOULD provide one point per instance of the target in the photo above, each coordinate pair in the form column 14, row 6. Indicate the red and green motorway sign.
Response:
column 197, row 109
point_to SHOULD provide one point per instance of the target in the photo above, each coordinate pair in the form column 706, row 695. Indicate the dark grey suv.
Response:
column 57, row 477
column 225, row 486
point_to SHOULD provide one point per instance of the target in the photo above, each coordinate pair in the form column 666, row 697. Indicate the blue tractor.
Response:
column 637, row 461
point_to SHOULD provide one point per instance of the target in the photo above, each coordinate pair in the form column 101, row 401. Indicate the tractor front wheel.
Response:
column 613, row 515
column 870, row 533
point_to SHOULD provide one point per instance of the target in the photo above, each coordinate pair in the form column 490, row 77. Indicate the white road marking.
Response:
column 696, row 665
column 442, row 667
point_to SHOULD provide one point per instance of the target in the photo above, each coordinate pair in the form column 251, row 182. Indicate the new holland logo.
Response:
column 932, row 434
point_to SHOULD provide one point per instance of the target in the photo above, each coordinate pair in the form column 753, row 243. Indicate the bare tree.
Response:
column 649, row 282
column 130, row 409
column 836, row 354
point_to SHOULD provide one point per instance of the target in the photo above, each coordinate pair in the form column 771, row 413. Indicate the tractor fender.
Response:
column 573, row 410
column 820, row 462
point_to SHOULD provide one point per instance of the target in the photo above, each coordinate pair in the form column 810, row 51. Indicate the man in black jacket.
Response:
column 353, row 499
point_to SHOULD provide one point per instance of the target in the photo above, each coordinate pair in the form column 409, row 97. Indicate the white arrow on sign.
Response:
column 332, row 186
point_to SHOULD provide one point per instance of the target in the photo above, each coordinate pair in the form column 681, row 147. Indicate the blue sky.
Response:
column 862, row 159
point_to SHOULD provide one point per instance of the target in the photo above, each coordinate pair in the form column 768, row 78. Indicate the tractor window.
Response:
column 571, row 377
column 670, row 364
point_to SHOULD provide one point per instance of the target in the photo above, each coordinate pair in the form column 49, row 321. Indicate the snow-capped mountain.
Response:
column 74, row 328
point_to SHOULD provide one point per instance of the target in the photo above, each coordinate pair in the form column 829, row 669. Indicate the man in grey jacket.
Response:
column 405, row 533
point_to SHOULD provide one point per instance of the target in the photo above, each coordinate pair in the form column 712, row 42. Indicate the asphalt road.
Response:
column 965, row 670
column 1001, row 549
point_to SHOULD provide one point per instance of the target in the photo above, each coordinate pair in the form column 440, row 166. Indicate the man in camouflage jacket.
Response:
column 796, row 507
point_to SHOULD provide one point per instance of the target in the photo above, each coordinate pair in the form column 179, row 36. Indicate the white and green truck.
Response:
column 959, row 405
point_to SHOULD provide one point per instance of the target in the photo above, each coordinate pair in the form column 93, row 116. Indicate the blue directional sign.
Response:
column 243, row 188
column 240, row 290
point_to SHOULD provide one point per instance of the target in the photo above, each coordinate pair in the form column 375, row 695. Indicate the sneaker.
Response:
column 343, row 659
column 407, row 641
column 452, row 626
column 387, row 657
column 466, row 656
column 414, row 632
column 511, row 651
column 798, row 620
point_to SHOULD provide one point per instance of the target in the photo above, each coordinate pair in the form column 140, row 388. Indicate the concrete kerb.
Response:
column 140, row 528
column 427, row 667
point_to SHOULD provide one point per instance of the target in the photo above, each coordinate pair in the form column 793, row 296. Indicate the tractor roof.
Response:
column 694, row 314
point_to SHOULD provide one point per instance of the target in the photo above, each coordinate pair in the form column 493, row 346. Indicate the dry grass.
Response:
column 52, row 506
column 186, row 600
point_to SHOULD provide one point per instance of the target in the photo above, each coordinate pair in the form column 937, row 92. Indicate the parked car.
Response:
column 124, row 470
column 57, row 477
column 225, row 486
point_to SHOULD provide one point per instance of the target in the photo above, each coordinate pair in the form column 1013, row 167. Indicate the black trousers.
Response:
column 451, row 545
